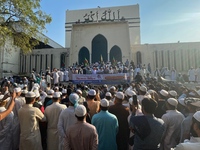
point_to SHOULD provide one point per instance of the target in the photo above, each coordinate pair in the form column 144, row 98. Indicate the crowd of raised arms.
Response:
column 151, row 111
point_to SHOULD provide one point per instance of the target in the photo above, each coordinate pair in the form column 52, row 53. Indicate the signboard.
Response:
column 100, row 78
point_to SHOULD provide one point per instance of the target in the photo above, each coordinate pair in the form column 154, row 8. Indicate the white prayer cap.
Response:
column 113, row 88
column 37, row 94
column 50, row 92
column 120, row 95
column 143, row 89
column 56, row 88
column 30, row 95
column 57, row 94
column 18, row 89
column 64, row 91
column 173, row 93
column 193, row 101
column 79, row 91
column 105, row 86
column 104, row 103
column 172, row 101
column 164, row 93
column 197, row 116
column 150, row 91
column 80, row 111
column 130, row 93
column 92, row 92
column 108, row 94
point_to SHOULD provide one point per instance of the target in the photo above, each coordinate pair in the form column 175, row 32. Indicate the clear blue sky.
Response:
column 162, row 21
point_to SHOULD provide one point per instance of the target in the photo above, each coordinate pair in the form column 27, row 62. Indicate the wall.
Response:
column 130, row 13
column 40, row 59
column 116, row 33
column 181, row 56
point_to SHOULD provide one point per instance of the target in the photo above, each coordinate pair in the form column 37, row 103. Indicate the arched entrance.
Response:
column 83, row 55
column 115, row 54
column 139, row 58
column 99, row 49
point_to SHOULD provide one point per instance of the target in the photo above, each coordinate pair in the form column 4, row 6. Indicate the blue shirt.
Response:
column 155, row 131
column 107, row 128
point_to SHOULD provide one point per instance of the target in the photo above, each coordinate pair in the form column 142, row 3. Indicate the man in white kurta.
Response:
column 67, row 118
column 30, row 138
column 61, row 76
column 19, row 102
column 172, row 121
column 5, row 126
column 191, row 74
column 52, row 114
column 55, row 77
column 194, row 142
column 173, row 74
column 66, row 75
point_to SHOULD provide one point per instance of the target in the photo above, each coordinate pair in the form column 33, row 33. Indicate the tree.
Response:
column 23, row 21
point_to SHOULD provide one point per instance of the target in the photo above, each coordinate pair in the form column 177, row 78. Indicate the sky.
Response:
column 161, row 21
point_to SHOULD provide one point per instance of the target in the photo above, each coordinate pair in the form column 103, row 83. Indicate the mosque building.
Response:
column 107, row 34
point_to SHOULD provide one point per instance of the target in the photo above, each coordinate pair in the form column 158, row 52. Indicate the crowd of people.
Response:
column 44, row 112
column 65, row 74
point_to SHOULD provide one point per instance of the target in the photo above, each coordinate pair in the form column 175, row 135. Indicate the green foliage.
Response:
column 22, row 20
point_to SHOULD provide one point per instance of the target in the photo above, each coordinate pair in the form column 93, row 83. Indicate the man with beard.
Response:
column 194, row 142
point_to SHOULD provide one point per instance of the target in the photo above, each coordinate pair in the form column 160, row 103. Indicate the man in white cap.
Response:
column 82, row 135
column 107, row 127
column 122, row 113
column 81, row 98
column 52, row 114
column 67, row 118
column 129, row 93
column 172, row 121
column 112, row 90
column 108, row 96
column 172, row 94
column 19, row 102
column 30, row 138
column 194, row 142
column 55, row 77
column 142, row 93
column 191, row 104
column 93, row 105
column 103, row 91
column 163, row 96
column 191, row 74
column 49, row 98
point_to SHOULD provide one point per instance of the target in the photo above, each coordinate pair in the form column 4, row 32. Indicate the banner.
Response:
column 100, row 78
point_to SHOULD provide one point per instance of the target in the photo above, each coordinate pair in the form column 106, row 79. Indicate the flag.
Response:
column 113, row 60
column 101, row 59
column 86, row 62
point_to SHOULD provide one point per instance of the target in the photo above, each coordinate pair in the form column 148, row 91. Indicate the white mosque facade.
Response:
column 104, row 33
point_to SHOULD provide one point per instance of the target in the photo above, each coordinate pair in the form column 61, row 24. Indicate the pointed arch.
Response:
column 83, row 54
column 99, row 48
column 115, row 54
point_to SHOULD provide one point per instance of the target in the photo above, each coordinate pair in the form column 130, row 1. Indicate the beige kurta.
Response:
column 52, row 114
column 30, row 138
column 81, row 136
